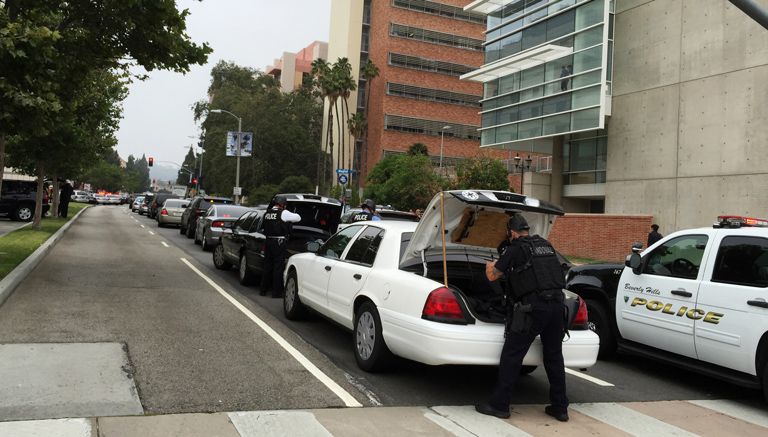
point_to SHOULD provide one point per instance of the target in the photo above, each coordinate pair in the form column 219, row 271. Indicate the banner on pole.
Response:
column 245, row 139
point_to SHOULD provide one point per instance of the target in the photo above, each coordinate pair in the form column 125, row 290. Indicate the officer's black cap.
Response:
column 655, row 227
column 280, row 200
column 517, row 223
column 368, row 204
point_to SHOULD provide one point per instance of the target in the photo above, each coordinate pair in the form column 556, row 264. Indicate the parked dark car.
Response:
column 216, row 221
column 157, row 203
column 244, row 245
column 198, row 207
column 17, row 200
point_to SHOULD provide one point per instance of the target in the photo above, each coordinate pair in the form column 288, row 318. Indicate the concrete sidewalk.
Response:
column 679, row 418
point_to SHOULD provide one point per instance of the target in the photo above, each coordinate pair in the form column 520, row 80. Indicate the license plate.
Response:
column 176, row 214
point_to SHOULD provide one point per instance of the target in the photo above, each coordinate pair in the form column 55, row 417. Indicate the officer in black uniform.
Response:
column 534, row 307
column 368, row 212
column 277, row 229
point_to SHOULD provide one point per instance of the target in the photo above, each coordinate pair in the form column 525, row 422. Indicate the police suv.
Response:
column 697, row 298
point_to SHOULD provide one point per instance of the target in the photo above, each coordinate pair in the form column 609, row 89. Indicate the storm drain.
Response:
column 56, row 380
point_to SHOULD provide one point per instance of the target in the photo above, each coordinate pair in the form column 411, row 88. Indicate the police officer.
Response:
column 534, row 307
column 368, row 212
column 277, row 229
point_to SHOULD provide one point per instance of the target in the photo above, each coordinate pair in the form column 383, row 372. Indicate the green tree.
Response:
column 418, row 149
column 482, row 173
column 105, row 176
column 368, row 72
column 404, row 181
column 296, row 184
column 186, row 167
column 262, row 194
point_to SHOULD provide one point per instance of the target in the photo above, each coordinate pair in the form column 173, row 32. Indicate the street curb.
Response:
column 13, row 279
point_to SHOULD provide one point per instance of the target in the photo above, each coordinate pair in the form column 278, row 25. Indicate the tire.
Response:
column 190, row 230
column 206, row 246
column 527, row 370
column 218, row 258
column 765, row 381
column 195, row 237
column 601, row 324
column 24, row 213
column 371, row 353
column 182, row 229
column 243, row 274
column 292, row 306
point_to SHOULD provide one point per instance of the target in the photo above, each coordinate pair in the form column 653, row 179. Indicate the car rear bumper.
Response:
column 440, row 343
column 169, row 219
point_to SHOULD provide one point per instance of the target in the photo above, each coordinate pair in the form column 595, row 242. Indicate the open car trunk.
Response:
column 301, row 235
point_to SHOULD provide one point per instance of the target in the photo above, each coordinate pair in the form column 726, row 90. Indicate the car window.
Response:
column 364, row 249
column 679, row 257
column 246, row 223
column 742, row 261
column 239, row 223
column 324, row 216
column 334, row 247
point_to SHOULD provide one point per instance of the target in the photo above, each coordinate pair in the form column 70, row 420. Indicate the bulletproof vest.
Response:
column 362, row 216
column 541, row 272
column 274, row 226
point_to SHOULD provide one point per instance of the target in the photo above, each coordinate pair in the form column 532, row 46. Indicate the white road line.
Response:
column 165, row 244
column 348, row 399
column 151, row 233
column 586, row 377
column 278, row 424
column 478, row 424
column 57, row 427
column 736, row 409
column 141, row 226
column 629, row 420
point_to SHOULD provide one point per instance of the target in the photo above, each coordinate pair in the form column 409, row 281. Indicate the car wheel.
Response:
column 371, row 352
column 245, row 275
column 292, row 306
column 23, row 213
column 191, row 230
column 218, row 259
column 601, row 325
column 525, row 370
column 205, row 244
column 765, row 380
column 182, row 229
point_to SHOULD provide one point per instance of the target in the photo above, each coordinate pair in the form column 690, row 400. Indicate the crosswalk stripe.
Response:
column 629, row 420
column 478, row 424
column 44, row 428
column 278, row 424
column 735, row 409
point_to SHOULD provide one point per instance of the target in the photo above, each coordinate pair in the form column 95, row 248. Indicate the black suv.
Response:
column 244, row 245
column 17, row 200
column 198, row 207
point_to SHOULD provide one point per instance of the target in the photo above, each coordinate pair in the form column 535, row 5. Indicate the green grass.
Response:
column 16, row 246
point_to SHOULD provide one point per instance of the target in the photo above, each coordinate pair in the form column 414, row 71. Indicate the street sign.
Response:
column 237, row 191
column 343, row 171
column 343, row 179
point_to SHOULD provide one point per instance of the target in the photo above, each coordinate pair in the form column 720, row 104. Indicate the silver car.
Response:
column 215, row 221
column 171, row 212
column 137, row 203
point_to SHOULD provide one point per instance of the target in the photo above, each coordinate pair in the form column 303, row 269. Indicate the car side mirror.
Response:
column 313, row 246
column 634, row 261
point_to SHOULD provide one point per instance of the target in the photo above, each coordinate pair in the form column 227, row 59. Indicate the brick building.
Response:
column 421, row 48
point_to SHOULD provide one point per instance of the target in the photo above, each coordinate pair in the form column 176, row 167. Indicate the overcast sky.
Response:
column 157, row 116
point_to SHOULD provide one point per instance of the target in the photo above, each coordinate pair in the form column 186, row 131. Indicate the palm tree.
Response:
column 346, row 86
column 324, row 83
column 369, row 71
column 357, row 125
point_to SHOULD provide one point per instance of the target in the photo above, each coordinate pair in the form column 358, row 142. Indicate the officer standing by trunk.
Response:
column 277, row 229
column 534, row 307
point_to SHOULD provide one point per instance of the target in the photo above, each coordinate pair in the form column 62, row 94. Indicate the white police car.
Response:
column 699, row 298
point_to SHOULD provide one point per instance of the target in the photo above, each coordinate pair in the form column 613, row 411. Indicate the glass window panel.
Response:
column 531, row 93
column 530, row 110
column 491, row 89
column 589, row 14
column 494, row 19
column 583, row 155
column 663, row 261
column 586, row 97
column 602, row 153
column 514, row 10
column 511, row 45
column 492, row 51
column 587, row 59
column 506, row 133
column 556, row 104
column 508, row 115
column 588, row 38
column 564, row 42
column 511, row 27
column 586, row 79
column 557, row 124
column 600, row 177
column 488, row 137
column 529, row 129
column 532, row 76
column 509, row 83
column 585, row 119
column 534, row 35
column 489, row 119
column 609, row 64
column 560, row 25
column 530, row 5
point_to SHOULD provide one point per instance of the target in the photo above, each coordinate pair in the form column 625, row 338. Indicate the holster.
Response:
column 519, row 318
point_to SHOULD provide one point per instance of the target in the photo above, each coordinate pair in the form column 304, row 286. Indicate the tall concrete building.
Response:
column 291, row 68
column 647, row 106
column 421, row 47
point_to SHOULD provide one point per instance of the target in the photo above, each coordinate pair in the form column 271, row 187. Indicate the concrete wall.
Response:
column 688, row 134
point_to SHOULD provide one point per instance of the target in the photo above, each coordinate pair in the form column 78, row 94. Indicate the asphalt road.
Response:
column 110, row 279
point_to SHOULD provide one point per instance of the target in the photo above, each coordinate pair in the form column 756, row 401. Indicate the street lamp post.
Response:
column 522, row 167
column 442, row 136
column 239, row 139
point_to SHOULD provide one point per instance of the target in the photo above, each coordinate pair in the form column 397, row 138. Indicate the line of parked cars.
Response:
column 384, row 280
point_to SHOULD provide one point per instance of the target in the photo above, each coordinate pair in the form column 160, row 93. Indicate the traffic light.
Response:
column 150, row 161
column 194, row 181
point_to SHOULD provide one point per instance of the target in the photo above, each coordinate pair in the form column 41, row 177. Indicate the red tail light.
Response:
column 442, row 306
column 582, row 319
column 217, row 224
column 164, row 212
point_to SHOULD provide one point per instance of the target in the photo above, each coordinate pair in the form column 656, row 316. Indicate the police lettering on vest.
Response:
column 362, row 216
column 274, row 226
column 541, row 272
